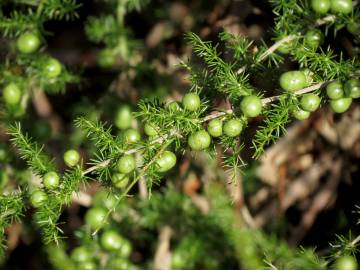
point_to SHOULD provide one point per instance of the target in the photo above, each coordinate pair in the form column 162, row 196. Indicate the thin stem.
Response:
column 270, row 51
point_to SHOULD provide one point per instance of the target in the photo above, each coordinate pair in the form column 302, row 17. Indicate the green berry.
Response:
column 123, row 117
column 126, row 164
column 88, row 265
column 285, row 48
column 340, row 105
column 310, row 102
column 199, row 140
column 166, row 161
column 52, row 68
column 28, row 42
column 71, row 157
column 80, row 254
column 12, row 94
column 352, row 88
column 37, row 198
column 293, row 80
column 95, row 217
column 251, row 106
column 300, row 114
column 51, row 180
column 120, row 180
column 106, row 58
column 346, row 263
column 174, row 106
column 341, row 6
column 334, row 90
column 191, row 102
column 131, row 135
column 314, row 38
column 150, row 130
column 215, row 128
column 104, row 199
column 233, row 127
column 321, row 6
column 353, row 28
column 111, row 241
column 126, row 249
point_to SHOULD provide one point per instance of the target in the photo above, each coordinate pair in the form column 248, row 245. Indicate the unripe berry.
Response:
column 300, row 114
column 191, row 102
column 123, row 117
column 233, row 127
column 251, row 106
column 215, row 128
column 120, row 180
column 51, row 180
column 126, row 164
column 28, row 42
column 38, row 198
column 71, row 157
column 12, row 94
column 340, row 105
column 199, row 140
column 334, row 90
column 293, row 80
column 166, row 161
column 310, row 102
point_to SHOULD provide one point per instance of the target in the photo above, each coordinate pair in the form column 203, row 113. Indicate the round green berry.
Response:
column 71, row 157
column 300, row 114
column 341, row 6
column 12, row 94
column 310, row 102
column 353, row 28
column 126, row 164
column 321, row 6
column 233, row 127
column 251, row 106
column 132, row 135
column 38, row 198
column 340, row 105
column 334, row 90
column 352, row 88
column 199, row 140
column 293, row 80
column 123, row 117
column 28, row 42
column 51, row 180
column 111, row 240
column 215, row 128
column 120, row 180
column 174, row 106
column 88, row 265
column 104, row 199
column 285, row 48
column 95, row 217
column 166, row 161
column 346, row 263
column 150, row 130
column 191, row 102
column 80, row 254
column 52, row 68
column 106, row 58
column 126, row 249
column 314, row 38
